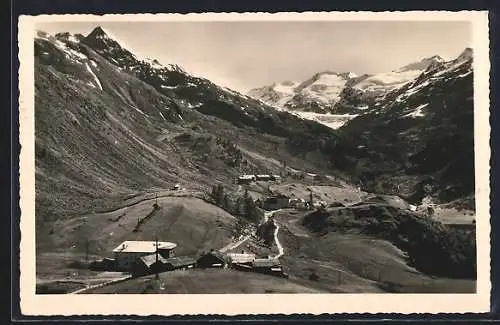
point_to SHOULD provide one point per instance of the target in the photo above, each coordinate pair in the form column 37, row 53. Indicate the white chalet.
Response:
column 129, row 251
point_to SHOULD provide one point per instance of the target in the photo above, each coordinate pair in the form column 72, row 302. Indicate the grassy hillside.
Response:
column 193, row 224
column 353, row 261
column 430, row 246
column 214, row 281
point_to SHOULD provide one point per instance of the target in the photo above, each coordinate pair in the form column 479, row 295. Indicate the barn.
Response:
column 148, row 265
column 211, row 259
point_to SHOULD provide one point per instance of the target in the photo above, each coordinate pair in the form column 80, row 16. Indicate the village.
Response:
column 135, row 258
column 154, row 256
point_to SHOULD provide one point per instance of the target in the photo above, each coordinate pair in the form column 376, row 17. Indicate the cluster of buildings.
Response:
column 148, row 257
column 281, row 201
column 248, row 179
column 242, row 262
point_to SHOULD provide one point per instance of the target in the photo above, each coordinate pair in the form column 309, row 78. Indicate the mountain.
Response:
column 110, row 126
column 340, row 96
column 114, row 132
column 316, row 94
column 418, row 139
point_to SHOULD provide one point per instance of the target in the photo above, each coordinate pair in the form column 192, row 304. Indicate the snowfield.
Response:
column 333, row 121
column 326, row 89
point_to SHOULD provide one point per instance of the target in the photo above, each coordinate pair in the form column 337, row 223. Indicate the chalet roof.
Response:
column 266, row 262
column 277, row 196
column 216, row 254
column 149, row 260
column 180, row 261
column 241, row 258
column 130, row 246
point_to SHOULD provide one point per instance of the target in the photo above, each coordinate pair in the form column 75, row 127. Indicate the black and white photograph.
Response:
column 221, row 155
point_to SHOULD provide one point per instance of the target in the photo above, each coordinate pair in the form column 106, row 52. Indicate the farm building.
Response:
column 147, row 264
column 267, row 266
column 211, row 259
column 179, row 262
column 246, row 179
column 106, row 264
column 312, row 177
column 276, row 202
column 129, row 251
column 242, row 258
column 298, row 203
column 263, row 178
column 276, row 178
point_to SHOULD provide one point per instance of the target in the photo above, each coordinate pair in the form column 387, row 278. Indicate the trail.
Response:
column 234, row 245
column 147, row 199
column 100, row 285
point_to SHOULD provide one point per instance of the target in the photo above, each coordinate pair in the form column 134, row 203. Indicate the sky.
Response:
column 248, row 54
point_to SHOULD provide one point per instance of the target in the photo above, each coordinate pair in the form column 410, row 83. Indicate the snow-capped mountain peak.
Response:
column 349, row 94
column 422, row 65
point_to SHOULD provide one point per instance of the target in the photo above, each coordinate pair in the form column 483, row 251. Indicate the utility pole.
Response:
column 156, row 252
column 86, row 250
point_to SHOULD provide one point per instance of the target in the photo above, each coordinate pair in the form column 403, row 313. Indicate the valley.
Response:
column 372, row 169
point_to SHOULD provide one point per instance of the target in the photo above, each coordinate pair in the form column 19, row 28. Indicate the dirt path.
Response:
column 234, row 245
column 149, row 199
column 100, row 285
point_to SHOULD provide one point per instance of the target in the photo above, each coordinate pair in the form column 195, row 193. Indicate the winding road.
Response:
column 268, row 214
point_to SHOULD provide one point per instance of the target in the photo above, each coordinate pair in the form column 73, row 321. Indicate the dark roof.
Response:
column 216, row 254
column 266, row 262
column 180, row 261
column 149, row 260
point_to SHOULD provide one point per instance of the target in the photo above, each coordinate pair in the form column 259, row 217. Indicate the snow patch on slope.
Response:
column 98, row 83
column 333, row 121
column 417, row 112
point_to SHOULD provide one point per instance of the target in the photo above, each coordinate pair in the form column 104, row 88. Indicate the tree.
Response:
column 226, row 204
column 218, row 194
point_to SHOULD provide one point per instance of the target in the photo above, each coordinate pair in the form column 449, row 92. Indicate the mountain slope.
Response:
column 418, row 140
column 110, row 126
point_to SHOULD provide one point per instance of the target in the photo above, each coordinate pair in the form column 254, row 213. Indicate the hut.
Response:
column 179, row 262
column 211, row 259
column 276, row 202
column 246, row 179
column 276, row 178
